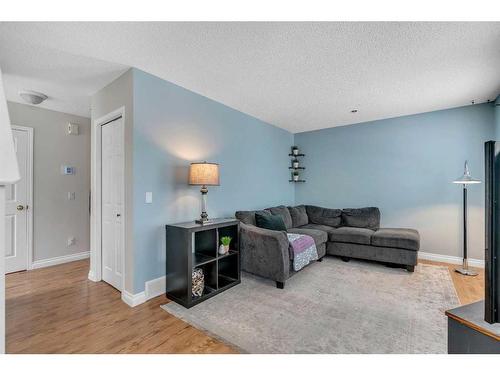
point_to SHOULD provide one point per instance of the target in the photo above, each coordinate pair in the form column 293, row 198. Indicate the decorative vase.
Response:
column 295, row 177
column 223, row 249
column 198, row 282
column 295, row 163
column 295, row 151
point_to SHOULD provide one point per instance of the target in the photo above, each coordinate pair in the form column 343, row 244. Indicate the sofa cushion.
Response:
column 319, row 236
column 360, row 236
column 324, row 216
column 247, row 217
column 283, row 211
column 400, row 238
column 324, row 228
column 299, row 215
column 367, row 217
column 268, row 221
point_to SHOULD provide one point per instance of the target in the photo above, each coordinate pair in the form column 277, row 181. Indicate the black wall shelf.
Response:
column 295, row 161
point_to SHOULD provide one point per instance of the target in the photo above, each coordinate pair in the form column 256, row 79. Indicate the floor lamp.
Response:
column 465, row 180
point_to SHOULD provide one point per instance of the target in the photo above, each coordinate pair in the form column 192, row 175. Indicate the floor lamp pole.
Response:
column 464, row 270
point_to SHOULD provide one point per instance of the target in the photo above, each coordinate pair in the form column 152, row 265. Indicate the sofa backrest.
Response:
column 324, row 216
column 284, row 213
column 366, row 217
column 299, row 216
column 247, row 217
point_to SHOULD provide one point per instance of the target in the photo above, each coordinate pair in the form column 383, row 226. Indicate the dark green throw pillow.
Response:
column 268, row 221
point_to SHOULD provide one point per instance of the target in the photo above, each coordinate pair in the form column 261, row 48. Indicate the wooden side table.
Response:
column 191, row 246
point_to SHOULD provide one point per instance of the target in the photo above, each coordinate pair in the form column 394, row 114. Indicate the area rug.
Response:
column 332, row 307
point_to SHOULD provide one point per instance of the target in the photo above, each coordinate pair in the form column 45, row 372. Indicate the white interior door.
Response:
column 17, row 199
column 112, row 181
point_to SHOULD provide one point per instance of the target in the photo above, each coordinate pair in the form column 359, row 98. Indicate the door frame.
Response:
column 29, row 194
column 95, row 272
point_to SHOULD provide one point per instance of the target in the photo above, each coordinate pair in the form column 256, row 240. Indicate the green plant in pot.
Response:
column 224, row 247
column 295, row 150
column 295, row 176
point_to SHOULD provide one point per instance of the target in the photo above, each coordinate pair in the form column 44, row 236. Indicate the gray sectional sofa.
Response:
column 348, row 233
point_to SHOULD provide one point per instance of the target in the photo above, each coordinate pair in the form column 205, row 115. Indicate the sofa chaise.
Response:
column 347, row 233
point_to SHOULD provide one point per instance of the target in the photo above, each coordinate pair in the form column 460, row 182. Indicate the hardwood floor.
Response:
column 58, row 310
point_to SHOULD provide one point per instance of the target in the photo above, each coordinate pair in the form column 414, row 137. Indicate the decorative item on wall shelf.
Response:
column 224, row 246
column 295, row 167
column 198, row 282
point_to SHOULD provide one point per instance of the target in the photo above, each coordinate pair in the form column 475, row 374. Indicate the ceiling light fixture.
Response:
column 32, row 97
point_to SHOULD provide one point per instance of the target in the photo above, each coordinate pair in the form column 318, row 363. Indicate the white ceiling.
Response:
column 67, row 79
column 299, row 76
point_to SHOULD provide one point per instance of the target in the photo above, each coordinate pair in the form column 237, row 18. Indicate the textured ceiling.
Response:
column 299, row 76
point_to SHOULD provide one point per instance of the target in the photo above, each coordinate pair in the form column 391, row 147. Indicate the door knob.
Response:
column 20, row 207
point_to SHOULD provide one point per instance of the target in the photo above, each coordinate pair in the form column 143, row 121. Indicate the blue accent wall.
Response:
column 172, row 127
column 405, row 166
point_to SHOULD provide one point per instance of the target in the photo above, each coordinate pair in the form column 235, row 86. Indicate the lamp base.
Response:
column 203, row 221
column 466, row 272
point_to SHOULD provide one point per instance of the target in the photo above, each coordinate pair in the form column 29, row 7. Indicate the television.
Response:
column 492, row 224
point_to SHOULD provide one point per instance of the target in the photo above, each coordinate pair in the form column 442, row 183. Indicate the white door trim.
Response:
column 95, row 272
column 29, row 196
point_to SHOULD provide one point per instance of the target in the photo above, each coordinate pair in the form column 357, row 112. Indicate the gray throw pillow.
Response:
column 285, row 214
column 299, row 216
column 366, row 217
column 324, row 216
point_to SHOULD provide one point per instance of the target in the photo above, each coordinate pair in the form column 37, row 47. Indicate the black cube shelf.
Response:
column 190, row 246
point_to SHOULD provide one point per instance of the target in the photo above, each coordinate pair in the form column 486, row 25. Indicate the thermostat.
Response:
column 66, row 169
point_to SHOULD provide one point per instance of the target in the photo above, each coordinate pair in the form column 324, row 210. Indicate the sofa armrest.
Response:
column 264, row 252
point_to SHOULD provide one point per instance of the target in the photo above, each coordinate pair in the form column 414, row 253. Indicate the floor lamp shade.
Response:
column 465, row 180
column 204, row 174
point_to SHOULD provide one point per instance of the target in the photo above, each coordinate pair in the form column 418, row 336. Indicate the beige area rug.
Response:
column 332, row 307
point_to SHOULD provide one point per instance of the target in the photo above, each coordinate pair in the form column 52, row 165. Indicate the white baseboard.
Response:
column 155, row 288
column 133, row 299
column 60, row 260
column 449, row 259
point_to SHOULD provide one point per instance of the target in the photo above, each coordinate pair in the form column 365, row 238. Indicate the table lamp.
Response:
column 204, row 174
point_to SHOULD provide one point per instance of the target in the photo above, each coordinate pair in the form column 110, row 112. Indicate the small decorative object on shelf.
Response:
column 224, row 247
column 295, row 163
column 295, row 150
column 198, row 281
column 295, row 176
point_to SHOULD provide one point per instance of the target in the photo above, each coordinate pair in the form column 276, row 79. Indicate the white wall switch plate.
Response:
column 71, row 241
column 149, row 197
column 67, row 169
column 71, row 195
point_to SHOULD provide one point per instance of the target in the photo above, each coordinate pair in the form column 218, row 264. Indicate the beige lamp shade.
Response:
column 204, row 174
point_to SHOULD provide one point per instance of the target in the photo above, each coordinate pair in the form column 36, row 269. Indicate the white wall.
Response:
column 2, row 269
column 55, row 217
column 116, row 95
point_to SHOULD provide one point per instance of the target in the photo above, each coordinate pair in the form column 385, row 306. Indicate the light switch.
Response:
column 71, row 195
column 149, row 197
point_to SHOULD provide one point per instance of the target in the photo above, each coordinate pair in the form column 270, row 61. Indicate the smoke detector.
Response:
column 32, row 97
